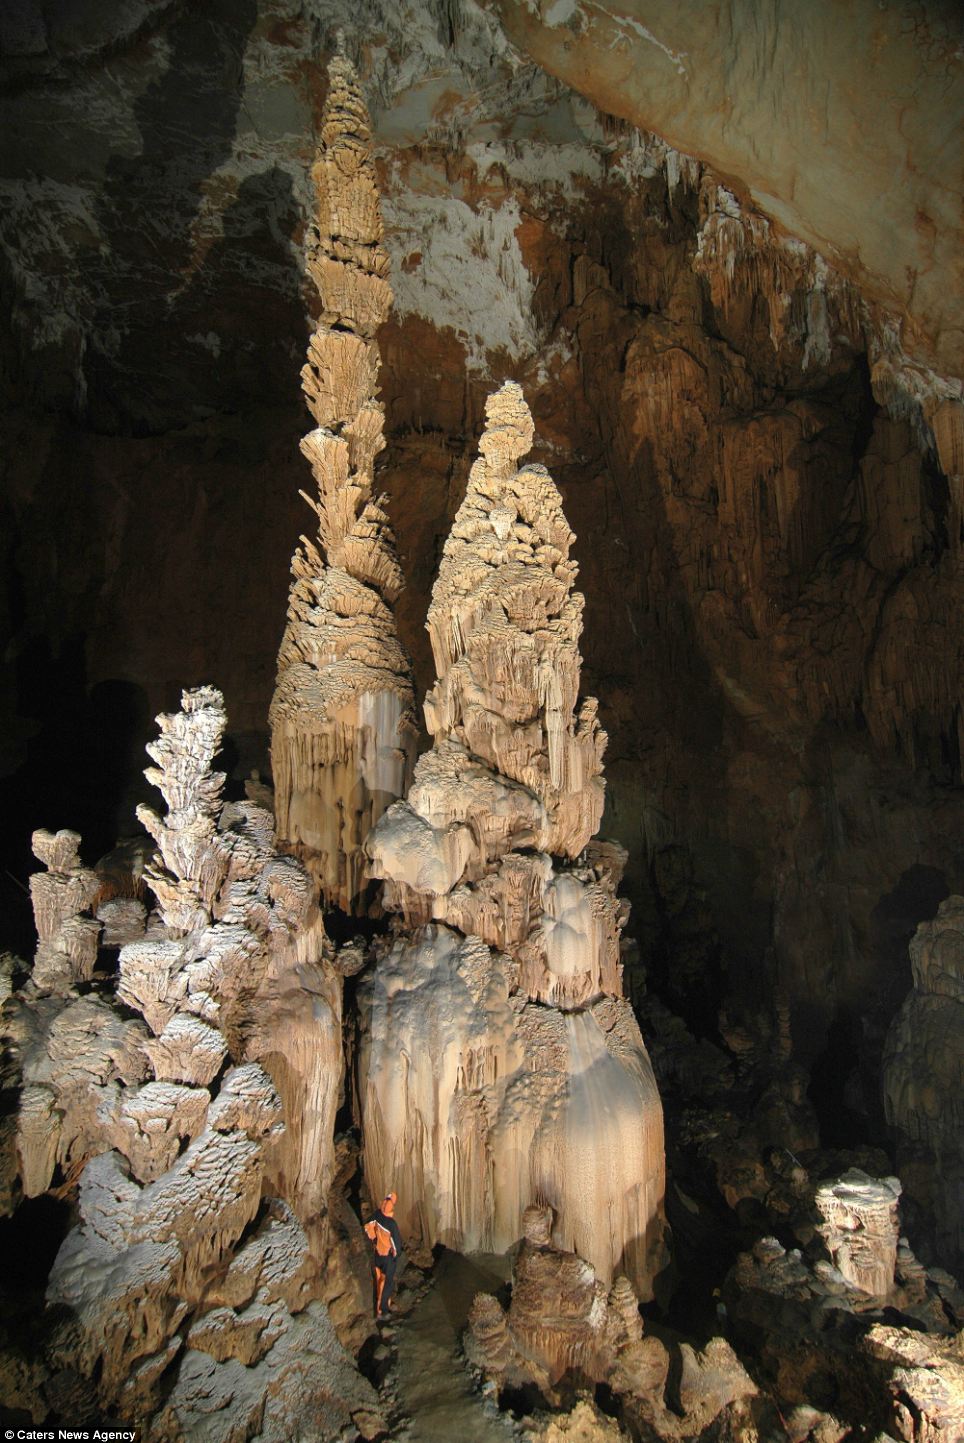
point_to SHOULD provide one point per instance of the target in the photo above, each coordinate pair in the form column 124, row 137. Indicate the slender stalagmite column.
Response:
column 342, row 729
column 500, row 1064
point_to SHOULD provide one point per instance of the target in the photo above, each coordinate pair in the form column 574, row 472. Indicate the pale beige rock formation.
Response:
column 123, row 920
column 926, row 1384
column 342, row 734
column 923, row 1080
column 67, row 939
column 204, row 1152
column 561, row 1322
column 498, row 1059
column 768, row 95
column 817, row 1331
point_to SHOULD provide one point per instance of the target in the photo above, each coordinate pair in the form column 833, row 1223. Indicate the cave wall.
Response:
column 771, row 557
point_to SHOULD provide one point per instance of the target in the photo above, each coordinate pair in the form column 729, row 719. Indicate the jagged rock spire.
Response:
column 341, row 718
column 505, row 624
column 188, row 867
column 499, row 1061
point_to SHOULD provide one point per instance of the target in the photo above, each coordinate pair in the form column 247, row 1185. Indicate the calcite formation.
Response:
column 562, row 1323
column 202, row 1182
column 499, row 1061
column 67, row 937
column 342, row 736
column 923, row 1081
column 859, row 1224
column 818, row 1333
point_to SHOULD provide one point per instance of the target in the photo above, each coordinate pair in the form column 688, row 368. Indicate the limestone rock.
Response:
column 187, row 1050
column 341, row 723
column 585, row 1424
column 305, row 1386
column 123, row 920
column 560, row 1324
column 923, row 1080
column 860, row 1227
column 67, row 940
column 678, row 75
column 185, row 1264
column 72, row 1055
column 710, row 1381
column 529, row 1051
column 190, row 869
column 927, row 1383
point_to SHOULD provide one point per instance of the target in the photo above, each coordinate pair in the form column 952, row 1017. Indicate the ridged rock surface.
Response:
column 923, row 1079
column 498, row 1058
column 342, row 731
column 707, row 81
column 194, row 1272
column 766, row 493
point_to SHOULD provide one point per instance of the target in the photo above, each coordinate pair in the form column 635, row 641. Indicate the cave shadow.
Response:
column 845, row 1086
column 186, row 118
column 153, row 276
column 82, row 767
column 77, row 768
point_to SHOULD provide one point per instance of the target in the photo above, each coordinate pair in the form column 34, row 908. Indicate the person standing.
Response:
column 382, row 1232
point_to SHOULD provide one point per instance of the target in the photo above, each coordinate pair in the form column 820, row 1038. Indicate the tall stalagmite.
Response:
column 499, row 1063
column 342, row 732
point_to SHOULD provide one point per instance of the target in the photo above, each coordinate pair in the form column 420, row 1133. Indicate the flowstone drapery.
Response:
column 499, row 1062
column 342, row 735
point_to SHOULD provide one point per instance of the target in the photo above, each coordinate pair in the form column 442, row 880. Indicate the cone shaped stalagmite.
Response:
column 342, row 734
column 499, row 1062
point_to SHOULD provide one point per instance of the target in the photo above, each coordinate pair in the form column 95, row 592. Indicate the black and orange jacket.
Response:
column 383, row 1232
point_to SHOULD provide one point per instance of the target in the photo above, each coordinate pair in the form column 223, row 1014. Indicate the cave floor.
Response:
column 431, row 1387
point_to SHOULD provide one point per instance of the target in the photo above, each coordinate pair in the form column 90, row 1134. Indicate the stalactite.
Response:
column 342, row 735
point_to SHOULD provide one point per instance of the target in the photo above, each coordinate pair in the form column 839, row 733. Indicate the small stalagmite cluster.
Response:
column 500, row 1064
column 562, row 1320
column 190, row 1283
column 342, row 734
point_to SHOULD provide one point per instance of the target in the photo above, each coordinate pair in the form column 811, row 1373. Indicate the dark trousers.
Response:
column 387, row 1266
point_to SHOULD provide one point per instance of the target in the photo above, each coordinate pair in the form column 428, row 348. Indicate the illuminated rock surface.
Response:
column 499, row 1060
column 199, row 1251
column 342, row 733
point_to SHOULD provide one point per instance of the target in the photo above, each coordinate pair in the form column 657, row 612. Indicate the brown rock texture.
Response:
column 859, row 1225
column 708, row 81
column 766, row 492
column 561, row 1326
column 342, row 734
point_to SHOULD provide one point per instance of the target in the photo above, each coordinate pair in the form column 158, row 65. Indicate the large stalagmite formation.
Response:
column 500, row 1064
column 191, row 1277
column 341, row 728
